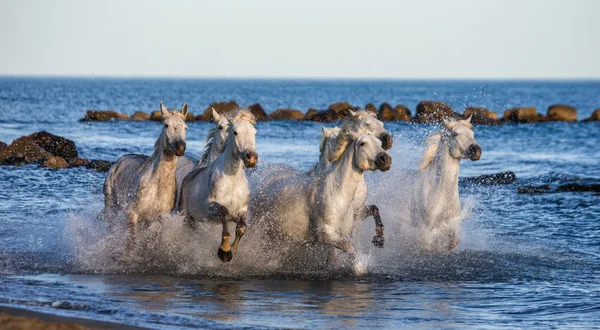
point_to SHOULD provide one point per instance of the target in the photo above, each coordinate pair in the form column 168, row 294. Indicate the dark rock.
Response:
column 56, row 145
column 99, row 165
column 189, row 116
column 220, row 107
column 9, row 157
column 481, row 116
column 310, row 114
column 522, row 115
column 326, row 116
column 156, row 115
column 103, row 115
column 56, row 162
column 24, row 147
column 575, row 187
column 535, row 190
column 78, row 162
column 371, row 107
column 258, row 112
column 3, row 145
column 560, row 112
column 140, row 115
column 386, row 113
column 594, row 117
column 342, row 108
column 286, row 114
column 494, row 179
column 432, row 111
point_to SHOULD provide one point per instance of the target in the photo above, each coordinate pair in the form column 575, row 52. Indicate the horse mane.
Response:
column 433, row 142
column 210, row 138
column 326, row 135
column 244, row 114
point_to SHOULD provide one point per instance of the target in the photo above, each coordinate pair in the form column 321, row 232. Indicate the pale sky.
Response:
column 310, row 39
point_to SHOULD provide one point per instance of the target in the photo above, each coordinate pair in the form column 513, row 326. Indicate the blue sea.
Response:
column 524, row 261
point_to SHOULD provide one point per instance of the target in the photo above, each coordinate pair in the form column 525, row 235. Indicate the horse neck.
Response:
column 163, row 162
column 343, row 176
column 232, row 164
column 443, row 171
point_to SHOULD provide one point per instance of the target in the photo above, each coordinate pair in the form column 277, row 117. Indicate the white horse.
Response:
column 215, row 143
column 144, row 187
column 318, row 209
column 220, row 191
column 435, row 204
column 360, row 121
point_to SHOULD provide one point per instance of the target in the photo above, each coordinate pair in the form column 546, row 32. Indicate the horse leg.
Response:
column 373, row 210
column 453, row 242
column 132, row 221
column 240, row 229
column 224, row 253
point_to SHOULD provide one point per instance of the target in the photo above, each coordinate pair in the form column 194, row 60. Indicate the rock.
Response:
column 481, row 116
column 140, row 115
column 286, row 114
column 432, row 111
column 594, row 117
column 189, row 116
column 310, row 114
column 3, row 145
column 371, row 107
column 56, row 145
column 103, row 115
column 78, row 162
column 99, row 165
column 9, row 157
column 24, row 147
column 56, row 162
column 576, row 187
column 560, row 112
column 534, row 190
column 522, row 115
column 386, row 113
column 341, row 108
column 156, row 115
column 258, row 112
column 494, row 179
column 326, row 116
column 220, row 107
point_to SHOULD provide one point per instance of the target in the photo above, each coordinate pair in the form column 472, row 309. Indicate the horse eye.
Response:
column 166, row 125
column 454, row 134
column 362, row 143
column 234, row 132
column 220, row 127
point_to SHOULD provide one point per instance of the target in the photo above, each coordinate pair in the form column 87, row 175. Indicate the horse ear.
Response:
column 446, row 123
column 163, row 110
column 216, row 115
column 184, row 110
column 352, row 113
column 324, row 129
column 469, row 119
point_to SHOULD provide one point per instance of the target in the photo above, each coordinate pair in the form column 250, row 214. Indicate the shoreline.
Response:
column 22, row 318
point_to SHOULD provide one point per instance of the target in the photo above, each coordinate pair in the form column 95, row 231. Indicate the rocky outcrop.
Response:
column 522, row 115
column 78, row 162
column 494, row 179
column 569, row 187
column 432, row 111
column 481, row 116
column 371, row 107
column 99, row 165
column 26, row 149
column 560, row 112
column 310, row 114
column 156, row 115
column 595, row 116
column 103, row 115
column 258, row 112
column 286, row 114
column 398, row 113
column 220, row 107
column 56, row 162
column 3, row 145
column 56, row 145
column 140, row 115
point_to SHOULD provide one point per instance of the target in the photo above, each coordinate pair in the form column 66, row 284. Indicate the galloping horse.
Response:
column 435, row 205
column 220, row 191
column 318, row 209
column 144, row 187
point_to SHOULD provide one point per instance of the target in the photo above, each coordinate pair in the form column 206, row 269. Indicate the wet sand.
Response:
column 18, row 318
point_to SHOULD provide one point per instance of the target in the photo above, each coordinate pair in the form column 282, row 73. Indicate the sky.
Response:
column 426, row 39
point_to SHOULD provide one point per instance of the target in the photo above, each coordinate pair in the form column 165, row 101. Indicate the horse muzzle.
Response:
column 474, row 152
column 250, row 159
column 179, row 148
column 386, row 141
column 383, row 162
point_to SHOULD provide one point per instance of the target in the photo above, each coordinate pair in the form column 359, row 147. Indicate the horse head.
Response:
column 174, row 129
column 461, row 139
column 367, row 121
column 369, row 154
column 243, row 133
column 222, row 126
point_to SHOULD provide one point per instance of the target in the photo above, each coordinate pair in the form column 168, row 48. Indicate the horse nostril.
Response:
column 382, row 159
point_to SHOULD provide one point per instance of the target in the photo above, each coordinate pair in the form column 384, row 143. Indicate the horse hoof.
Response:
column 225, row 256
column 378, row 241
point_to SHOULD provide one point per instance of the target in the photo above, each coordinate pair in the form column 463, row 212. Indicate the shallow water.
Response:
column 523, row 260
